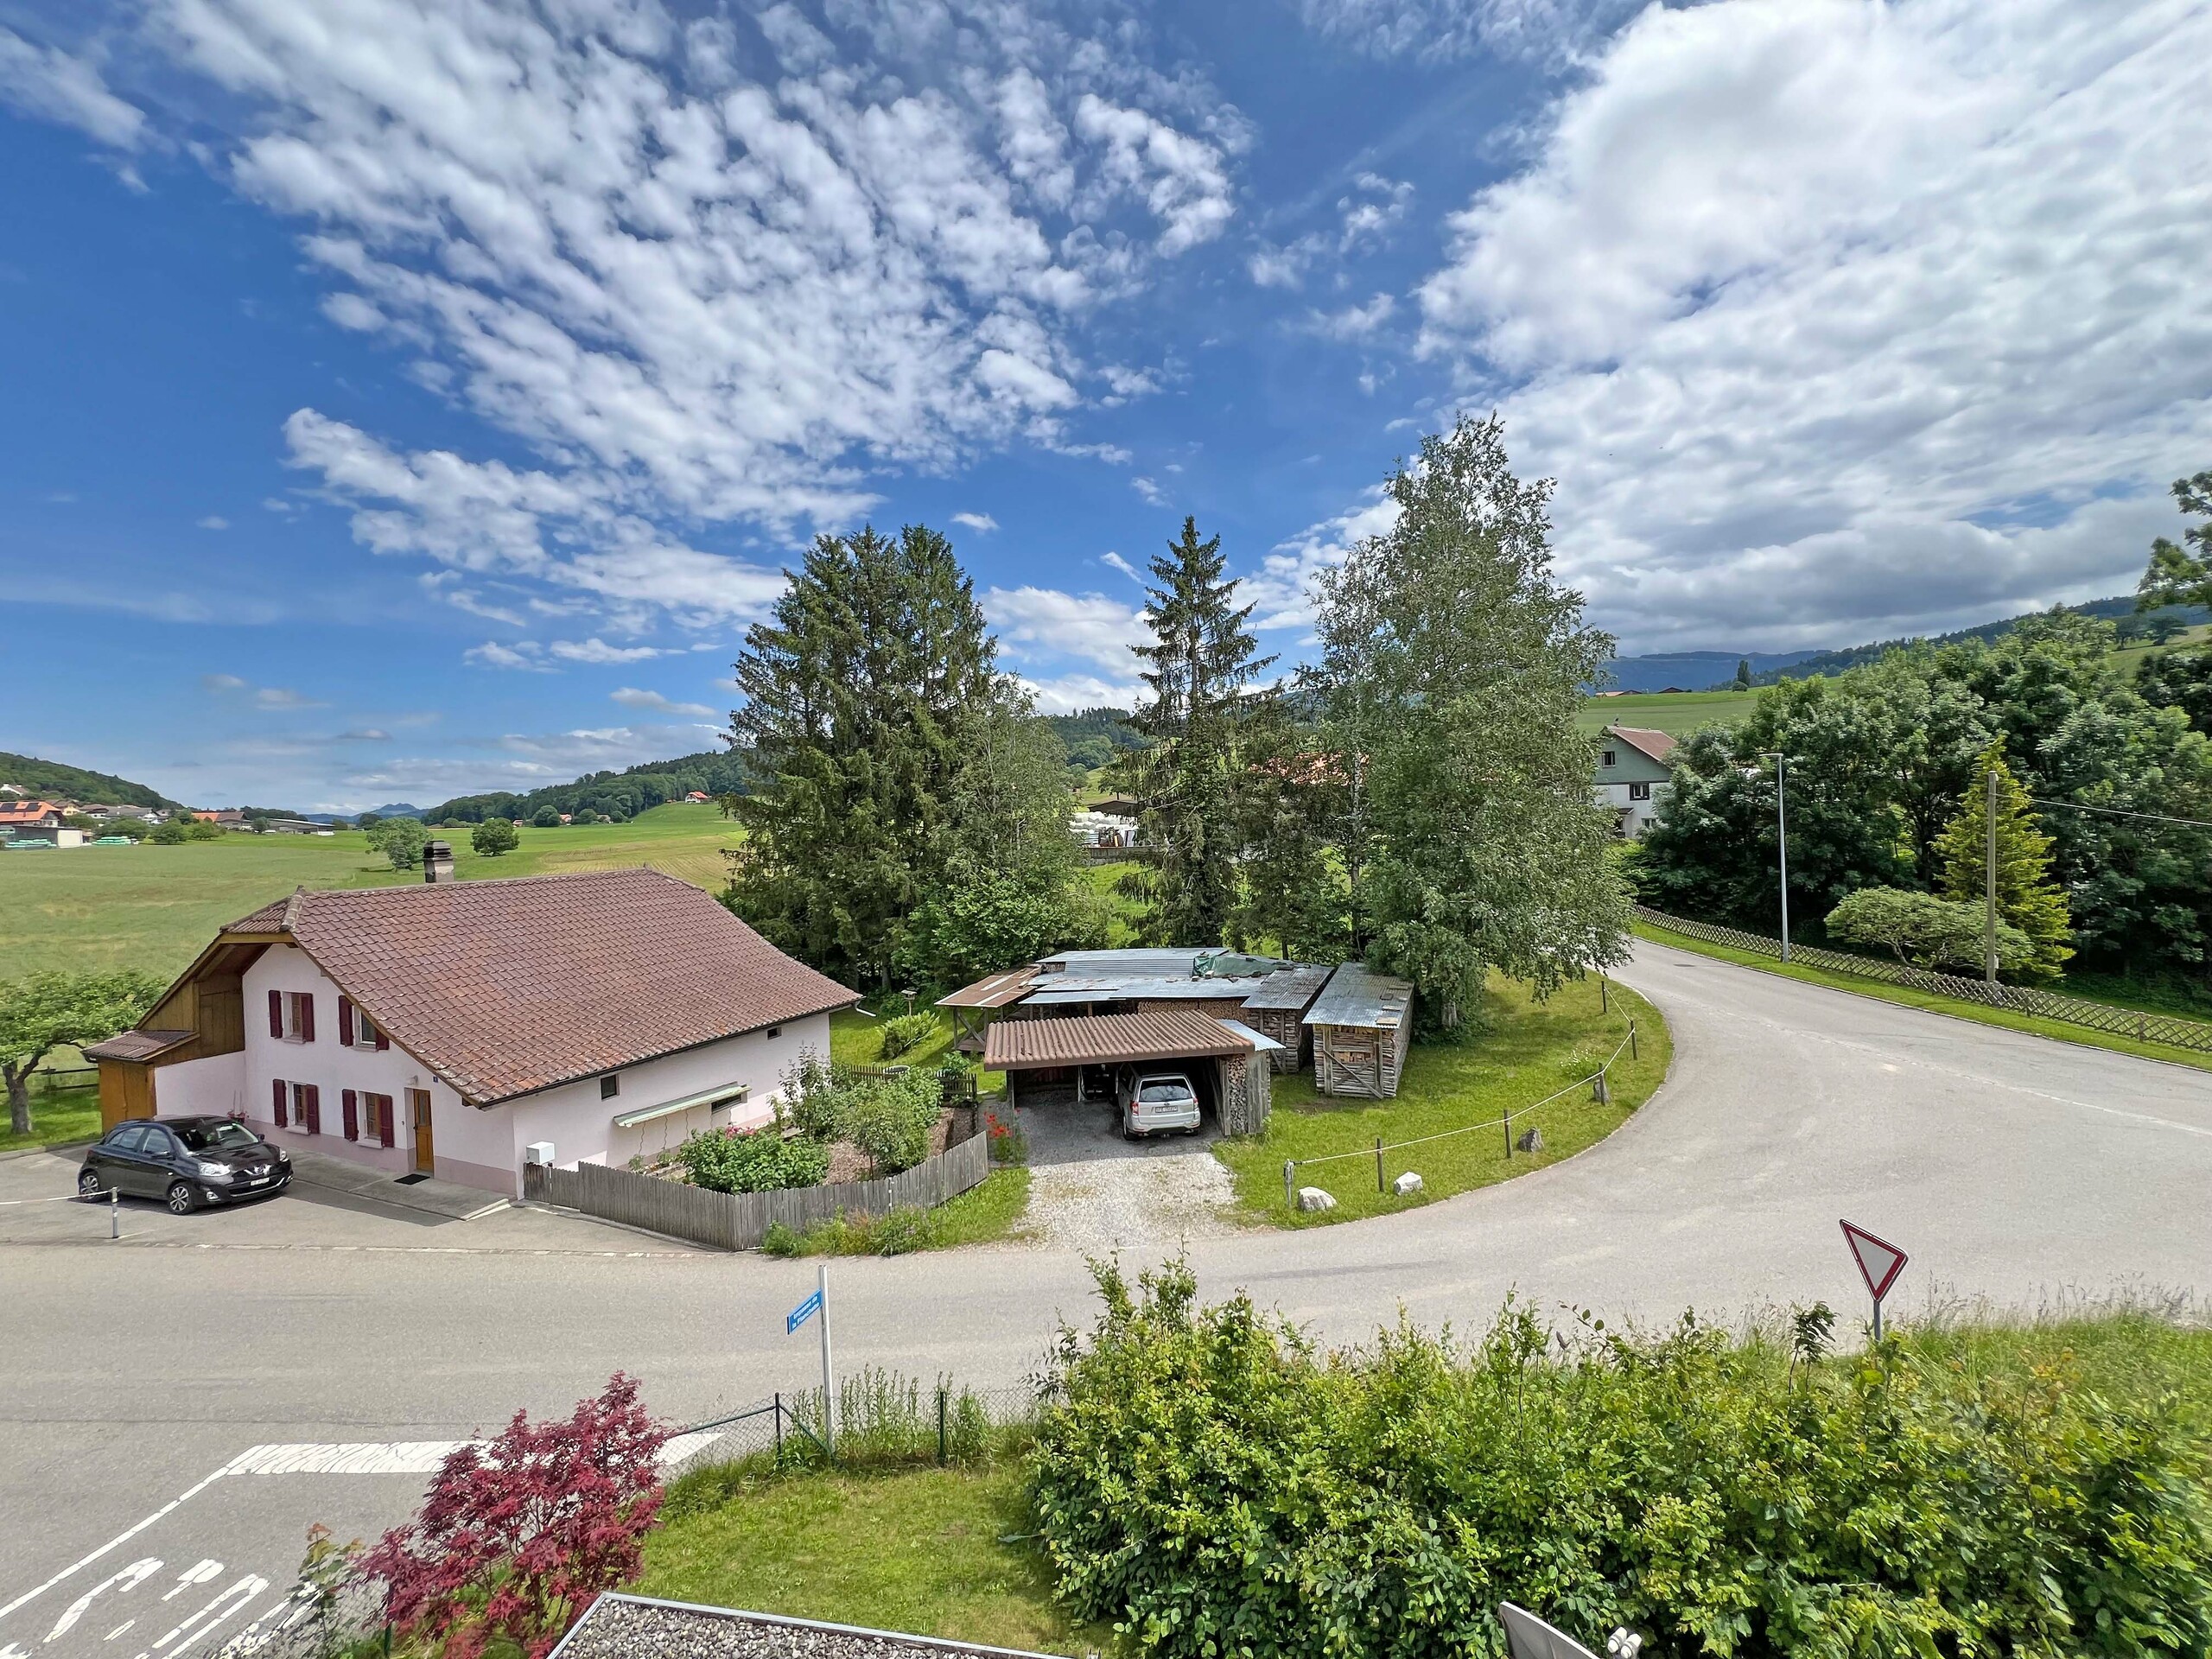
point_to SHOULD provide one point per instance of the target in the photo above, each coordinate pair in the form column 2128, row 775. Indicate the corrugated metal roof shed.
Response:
column 1050, row 989
column 1121, row 964
column 1294, row 988
column 995, row 992
column 1355, row 997
column 1108, row 1038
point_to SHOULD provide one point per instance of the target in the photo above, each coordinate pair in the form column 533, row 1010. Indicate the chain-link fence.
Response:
column 885, row 1418
column 2019, row 999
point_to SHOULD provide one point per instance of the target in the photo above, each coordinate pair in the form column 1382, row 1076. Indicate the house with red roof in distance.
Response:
column 1632, row 775
column 36, row 818
column 698, row 795
column 460, row 1029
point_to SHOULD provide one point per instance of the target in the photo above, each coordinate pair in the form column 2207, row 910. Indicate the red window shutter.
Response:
column 349, row 1104
column 276, row 1015
column 306, row 1016
column 383, row 1106
column 311, row 1109
column 345, row 1022
column 383, row 1043
column 277, row 1091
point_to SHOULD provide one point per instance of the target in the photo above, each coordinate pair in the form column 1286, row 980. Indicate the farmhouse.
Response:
column 1632, row 775
column 460, row 1028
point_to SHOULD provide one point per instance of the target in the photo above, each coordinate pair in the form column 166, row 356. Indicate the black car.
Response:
column 188, row 1161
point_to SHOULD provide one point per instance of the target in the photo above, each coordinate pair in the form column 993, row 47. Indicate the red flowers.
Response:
column 996, row 1129
column 516, row 1538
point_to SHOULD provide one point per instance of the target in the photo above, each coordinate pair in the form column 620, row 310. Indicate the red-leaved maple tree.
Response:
column 518, row 1533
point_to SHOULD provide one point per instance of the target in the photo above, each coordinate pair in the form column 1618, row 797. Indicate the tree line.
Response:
column 1418, row 798
column 2104, row 779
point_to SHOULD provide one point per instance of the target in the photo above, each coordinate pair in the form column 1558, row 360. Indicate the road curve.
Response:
column 2013, row 1168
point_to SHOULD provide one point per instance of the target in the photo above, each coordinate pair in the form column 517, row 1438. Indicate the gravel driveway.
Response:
column 1091, row 1189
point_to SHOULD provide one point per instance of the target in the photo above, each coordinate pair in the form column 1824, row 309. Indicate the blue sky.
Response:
column 406, row 398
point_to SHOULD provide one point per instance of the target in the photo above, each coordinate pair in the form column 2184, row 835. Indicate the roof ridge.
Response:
column 292, row 908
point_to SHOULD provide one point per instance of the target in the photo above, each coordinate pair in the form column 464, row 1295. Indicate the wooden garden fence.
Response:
column 2019, row 999
column 739, row 1221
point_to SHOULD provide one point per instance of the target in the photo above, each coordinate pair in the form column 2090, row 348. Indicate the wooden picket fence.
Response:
column 2019, row 999
column 739, row 1221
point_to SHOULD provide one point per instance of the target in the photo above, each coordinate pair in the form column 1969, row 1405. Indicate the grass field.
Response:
column 1678, row 712
column 155, row 907
column 1529, row 1050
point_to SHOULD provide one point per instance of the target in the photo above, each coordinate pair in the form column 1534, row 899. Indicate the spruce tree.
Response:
column 1188, row 781
column 857, row 694
column 2027, row 897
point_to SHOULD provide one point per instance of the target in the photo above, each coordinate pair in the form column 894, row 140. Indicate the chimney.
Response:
column 437, row 860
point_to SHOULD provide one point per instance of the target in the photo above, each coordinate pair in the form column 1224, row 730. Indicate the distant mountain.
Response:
column 2119, row 608
column 398, row 810
column 1694, row 670
column 75, row 783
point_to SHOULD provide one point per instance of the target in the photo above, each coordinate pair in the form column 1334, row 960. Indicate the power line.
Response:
column 2116, row 812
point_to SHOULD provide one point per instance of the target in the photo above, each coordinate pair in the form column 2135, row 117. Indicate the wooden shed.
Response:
column 1278, row 1010
column 201, row 1014
column 1361, row 1025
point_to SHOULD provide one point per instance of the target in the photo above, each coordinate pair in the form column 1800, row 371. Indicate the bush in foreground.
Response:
column 1216, row 1484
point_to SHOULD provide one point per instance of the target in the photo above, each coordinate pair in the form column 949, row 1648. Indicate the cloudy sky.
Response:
column 412, row 396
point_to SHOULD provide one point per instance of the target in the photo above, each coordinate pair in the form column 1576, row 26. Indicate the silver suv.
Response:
column 1156, row 1102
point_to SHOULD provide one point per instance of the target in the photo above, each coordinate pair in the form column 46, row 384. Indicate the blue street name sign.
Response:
column 805, row 1311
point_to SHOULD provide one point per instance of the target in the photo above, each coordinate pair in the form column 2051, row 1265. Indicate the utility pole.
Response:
column 1781, row 832
column 1989, row 906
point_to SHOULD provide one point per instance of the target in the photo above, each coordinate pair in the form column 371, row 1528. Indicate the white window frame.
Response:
column 1639, row 791
column 1611, row 758
column 364, row 1029
column 295, row 1027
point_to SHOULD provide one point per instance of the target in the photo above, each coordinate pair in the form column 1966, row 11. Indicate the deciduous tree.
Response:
column 494, row 836
column 401, row 841
column 2181, row 573
column 1925, row 930
column 2026, row 896
column 42, row 1012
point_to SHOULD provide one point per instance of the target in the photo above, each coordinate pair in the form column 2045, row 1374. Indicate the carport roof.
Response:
column 1108, row 1038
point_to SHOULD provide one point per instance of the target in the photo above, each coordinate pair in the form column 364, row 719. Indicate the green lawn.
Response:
column 1529, row 1050
column 1678, row 712
column 919, row 1551
column 1912, row 998
column 58, row 1115
column 155, row 907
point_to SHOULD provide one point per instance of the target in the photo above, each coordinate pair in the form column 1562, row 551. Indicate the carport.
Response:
column 1044, row 1058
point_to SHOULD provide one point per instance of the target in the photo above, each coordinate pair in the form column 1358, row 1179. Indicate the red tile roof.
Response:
column 505, row 988
column 1106, row 1039
column 1657, row 744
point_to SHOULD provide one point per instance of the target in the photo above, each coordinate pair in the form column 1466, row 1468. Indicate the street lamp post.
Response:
column 1781, row 831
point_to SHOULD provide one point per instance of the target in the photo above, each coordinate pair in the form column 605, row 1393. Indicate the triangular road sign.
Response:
column 1879, row 1260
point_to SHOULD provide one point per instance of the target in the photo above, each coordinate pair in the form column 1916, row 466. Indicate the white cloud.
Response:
column 1354, row 321
column 1282, row 587
column 1118, row 562
column 366, row 734
column 525, row 654
column 1835, row 319
column 47, row 83
column 1043, row 622
column 262, row 696
column 1153, row 494
column 631, row 697
column 221, row 683
column 1064, row 694
column 981, row 523
column 1371, row 210
column 706, row 286
column 1270, row 266
column 212, row 521
column 596, row 649
column 1440, row 31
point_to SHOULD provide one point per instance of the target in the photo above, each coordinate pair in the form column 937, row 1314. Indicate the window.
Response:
column 377, row 1125
column 1612, row 756
column 159, row 1144
column 364, row 1030
column 774, row 1032
column 129, row 1138
column 291, row 1016
column 609, row 1087
column 1639, row 791
column 306, row 1108
column 214, row 1137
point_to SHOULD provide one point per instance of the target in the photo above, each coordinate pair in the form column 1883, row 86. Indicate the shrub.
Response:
column 171, row 833
column 728, row 1160
column 907, row 1033
column 546, row 817
column 891, row 1119
column 1214, row 1484
column 1009, row 1144
column 809, row 1091
column 516, row 1538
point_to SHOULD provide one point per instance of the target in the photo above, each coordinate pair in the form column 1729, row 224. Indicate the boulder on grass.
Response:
column 1532, row 1142
column 1312, row 1197
column 1406, row 1185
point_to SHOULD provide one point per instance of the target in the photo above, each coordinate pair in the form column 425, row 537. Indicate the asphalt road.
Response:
column 2016, row 1170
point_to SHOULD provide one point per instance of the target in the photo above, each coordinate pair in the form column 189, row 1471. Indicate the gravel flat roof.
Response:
column 635, row 1627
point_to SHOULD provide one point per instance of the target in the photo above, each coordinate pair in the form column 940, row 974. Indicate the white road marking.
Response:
column 199, row 1573
column 115, row 1543
column 232, row 1601
column 135, row 1574
column 119, row 1629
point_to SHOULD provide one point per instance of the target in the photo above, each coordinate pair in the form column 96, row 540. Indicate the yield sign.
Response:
column 1879, row 1260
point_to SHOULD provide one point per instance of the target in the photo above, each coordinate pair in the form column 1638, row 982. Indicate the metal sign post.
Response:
column 817, row 1305
column 1879, row 1264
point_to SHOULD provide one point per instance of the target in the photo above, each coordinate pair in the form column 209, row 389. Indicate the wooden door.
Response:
column 418, row 1114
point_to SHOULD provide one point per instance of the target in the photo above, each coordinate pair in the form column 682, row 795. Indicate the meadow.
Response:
column 155, row 907
column 1679, row 712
